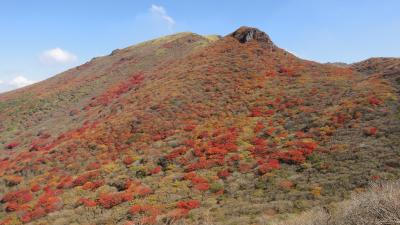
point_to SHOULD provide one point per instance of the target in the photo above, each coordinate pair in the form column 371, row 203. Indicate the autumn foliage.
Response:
column 113, row 199
column 190, row 204
column 160, row 131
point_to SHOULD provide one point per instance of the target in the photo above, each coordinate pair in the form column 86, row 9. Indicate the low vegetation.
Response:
column 188, row 129
column 380, row 204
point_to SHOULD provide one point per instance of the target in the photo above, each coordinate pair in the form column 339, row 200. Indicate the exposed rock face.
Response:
column 246, row 34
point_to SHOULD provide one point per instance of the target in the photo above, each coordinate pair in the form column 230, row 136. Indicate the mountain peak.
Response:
column 245, row 34
column 167, row 128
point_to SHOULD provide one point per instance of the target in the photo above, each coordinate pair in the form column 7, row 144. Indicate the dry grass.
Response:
column 380, row 205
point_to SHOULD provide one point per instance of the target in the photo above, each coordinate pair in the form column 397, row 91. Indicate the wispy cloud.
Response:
column 1, row 81
column 20, row 81
column 57, row 56
column 160, row 12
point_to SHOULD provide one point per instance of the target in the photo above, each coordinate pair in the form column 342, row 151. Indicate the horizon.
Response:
column 45, row 38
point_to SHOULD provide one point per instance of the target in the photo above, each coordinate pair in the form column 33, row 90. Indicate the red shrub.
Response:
column 255, row 112
column 190, row 175
column 93, row 166
column 202, row 186
column 370, row 131
column 373, row 130
column 66, row 182
column 83, row 178
column 259, row 142
column 223, row 174
column 273, row 163
column 98, row 183
column 269, row 112
column 199, row 180
column 136, row 209
column 306, row 147
column 156, row 170
column 176, row 152
column 46, row 204
column 300, row 134
column 12, row 206
column 231, row 147
column 5, row 221
column 375, row 177
column 110, row 200
column 114, row 92
column 143, row 190
column 190, row 204
column 88, row 186
column 270, row 165
column 158, row 137
column 216, row 151
column 149, row 213
column 244, row 167
column 286, row 71
column 270, row 131
column 189, row 127
column 87, row 202
column 128, row 160
column 13, row 180
column 235, row 158
column 339, row 118
column 51, row 192
column 49, row 203
column 198, row 152
column 374, row 100
column 200, row 183
column 189, row 143
column 292, row 156
column 35, row 188
column 270, row 74
column 21, row 196
column 12, row 145
column 34, row 214
column 203, row 135
column 127, row 196
column 259, row 126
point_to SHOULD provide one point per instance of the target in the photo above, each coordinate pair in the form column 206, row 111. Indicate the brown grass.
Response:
column 380, row 205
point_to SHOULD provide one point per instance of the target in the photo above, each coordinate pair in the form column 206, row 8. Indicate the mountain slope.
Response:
column 185, row 126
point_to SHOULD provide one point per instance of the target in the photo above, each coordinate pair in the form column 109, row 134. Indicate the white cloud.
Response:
column 1, row 81
column 20, row 81
column 57, row 55
column 160, row 12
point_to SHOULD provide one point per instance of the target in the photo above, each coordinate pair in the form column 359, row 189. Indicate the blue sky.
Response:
column 41, row 38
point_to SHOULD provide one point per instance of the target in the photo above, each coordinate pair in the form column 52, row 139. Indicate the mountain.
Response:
column 385, row 68
column 192, row 129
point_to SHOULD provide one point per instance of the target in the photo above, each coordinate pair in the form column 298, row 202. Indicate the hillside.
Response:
column 189, row 128
column 385, row 68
